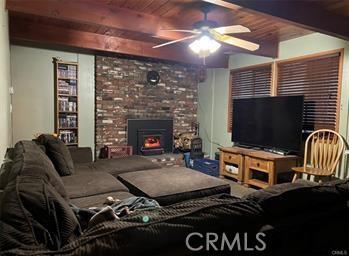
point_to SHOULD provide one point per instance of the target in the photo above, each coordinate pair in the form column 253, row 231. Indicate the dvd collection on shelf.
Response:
column 66, row 105
column 68, row 137
column 67, row 102
column 67, row 88
column 67, row 121
column 67, row 71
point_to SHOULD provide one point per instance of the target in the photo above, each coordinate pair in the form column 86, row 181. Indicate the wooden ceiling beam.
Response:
column 100, row 14
column 24, row 31
column 109, row 16
column 303, row 14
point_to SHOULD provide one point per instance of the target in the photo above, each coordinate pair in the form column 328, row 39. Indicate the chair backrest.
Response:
column 326, row 150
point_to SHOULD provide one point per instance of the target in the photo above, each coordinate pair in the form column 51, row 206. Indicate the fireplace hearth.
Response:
column 150, row 137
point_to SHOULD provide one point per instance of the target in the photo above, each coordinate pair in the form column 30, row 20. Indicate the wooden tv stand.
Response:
column 248, row 161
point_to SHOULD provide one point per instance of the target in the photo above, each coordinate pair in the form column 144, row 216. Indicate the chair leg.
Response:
column 295, row 177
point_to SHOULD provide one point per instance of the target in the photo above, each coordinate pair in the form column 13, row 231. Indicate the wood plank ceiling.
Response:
column 324, row 16
column 31, row 20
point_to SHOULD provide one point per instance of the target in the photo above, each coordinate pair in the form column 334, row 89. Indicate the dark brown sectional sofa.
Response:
column 135, row 175
column 36, row 218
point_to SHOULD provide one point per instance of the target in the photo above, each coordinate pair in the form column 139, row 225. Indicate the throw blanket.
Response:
column 120, row 209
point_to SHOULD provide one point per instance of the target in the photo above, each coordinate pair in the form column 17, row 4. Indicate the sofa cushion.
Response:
column 117, row 166
column 81, row 154
column 83, row 168
column 98, row 200
column 92, row 183
column 59, row 154
column 171, row 185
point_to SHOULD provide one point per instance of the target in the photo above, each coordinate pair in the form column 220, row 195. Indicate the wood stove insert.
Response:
column 150, row 137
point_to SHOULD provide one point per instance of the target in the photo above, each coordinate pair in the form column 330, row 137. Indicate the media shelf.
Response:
column 66, row 101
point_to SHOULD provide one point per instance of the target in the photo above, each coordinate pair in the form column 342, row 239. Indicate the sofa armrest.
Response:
column 81, row 155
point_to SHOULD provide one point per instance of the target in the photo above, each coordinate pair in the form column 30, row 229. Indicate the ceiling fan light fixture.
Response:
column 204, row 46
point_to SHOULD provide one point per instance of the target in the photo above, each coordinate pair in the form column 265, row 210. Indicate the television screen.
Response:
column 268, row 122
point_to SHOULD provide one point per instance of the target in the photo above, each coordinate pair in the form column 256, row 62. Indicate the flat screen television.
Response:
column 268, row 122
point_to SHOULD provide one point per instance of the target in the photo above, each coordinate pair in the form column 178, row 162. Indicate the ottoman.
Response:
column 172, row 185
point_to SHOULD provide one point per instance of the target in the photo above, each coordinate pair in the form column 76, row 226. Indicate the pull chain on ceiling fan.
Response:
column 208, row 34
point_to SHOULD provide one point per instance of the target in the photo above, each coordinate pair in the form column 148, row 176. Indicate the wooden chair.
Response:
column 326, row 148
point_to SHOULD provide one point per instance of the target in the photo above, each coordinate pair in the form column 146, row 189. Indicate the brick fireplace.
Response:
column 122, row 93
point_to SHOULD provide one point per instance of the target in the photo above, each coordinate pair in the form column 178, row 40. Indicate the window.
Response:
column 318, row 79
column 254, row 81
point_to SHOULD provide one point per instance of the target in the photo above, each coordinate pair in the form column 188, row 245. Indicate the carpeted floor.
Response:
column 237, row 189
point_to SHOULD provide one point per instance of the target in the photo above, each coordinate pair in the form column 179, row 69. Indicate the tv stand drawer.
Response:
column 231, row 158
column 258, row 164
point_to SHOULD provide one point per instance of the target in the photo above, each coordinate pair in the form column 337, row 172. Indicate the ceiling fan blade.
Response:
column 175, row 41
column 232, row 29
column 181, row 30
column 235, row 41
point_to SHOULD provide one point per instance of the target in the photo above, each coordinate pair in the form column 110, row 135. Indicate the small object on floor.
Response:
column 106, row 214
column 110, row 200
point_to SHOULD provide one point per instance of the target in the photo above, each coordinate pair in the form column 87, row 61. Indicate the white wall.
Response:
column 5, row 99
column 218, row 98
column 33, row 101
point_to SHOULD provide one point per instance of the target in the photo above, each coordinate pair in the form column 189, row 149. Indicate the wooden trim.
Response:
column 68, row 63
column 340, row 81
column 274, row 79
column 252, row 66
column 310, row 56
column 230, row 104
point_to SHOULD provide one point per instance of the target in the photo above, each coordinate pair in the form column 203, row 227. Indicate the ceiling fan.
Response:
column 208, row 35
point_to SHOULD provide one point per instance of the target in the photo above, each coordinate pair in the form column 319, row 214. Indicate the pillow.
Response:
column 59, row 154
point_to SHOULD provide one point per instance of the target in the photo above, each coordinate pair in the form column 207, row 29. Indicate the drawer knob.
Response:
column 258, row 164
column 229, row 157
